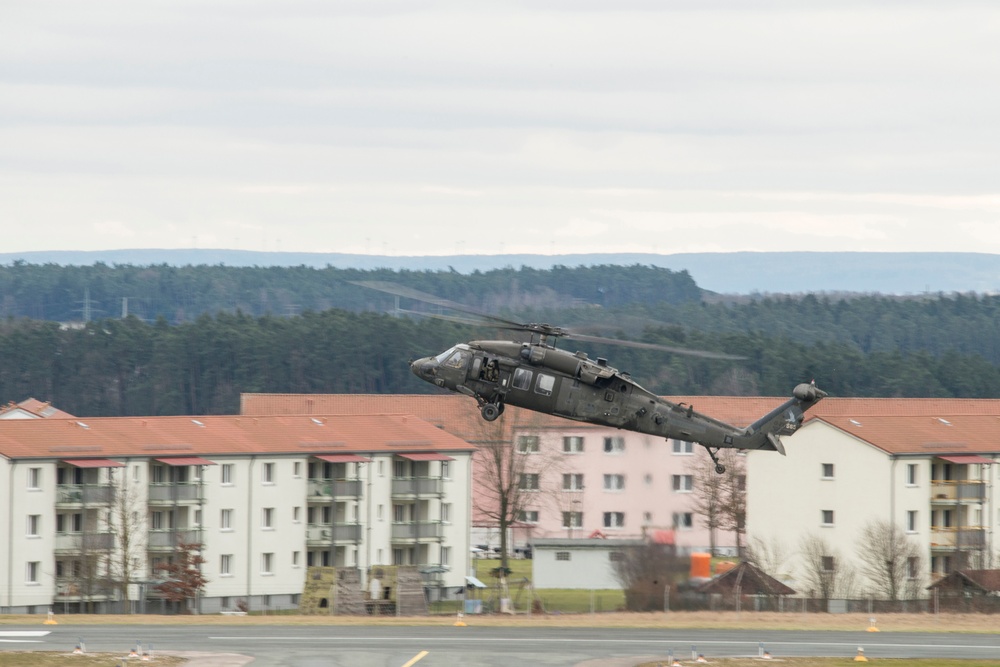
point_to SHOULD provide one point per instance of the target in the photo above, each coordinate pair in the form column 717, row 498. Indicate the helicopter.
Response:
column 536, row 375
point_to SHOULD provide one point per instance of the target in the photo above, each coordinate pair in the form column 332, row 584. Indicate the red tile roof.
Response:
column 35, row 407
column 895, row 425
column 159, row 437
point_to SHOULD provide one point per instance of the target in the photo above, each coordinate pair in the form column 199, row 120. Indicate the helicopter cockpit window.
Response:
column 544, row 384
column 460, row 359
column 522, row 379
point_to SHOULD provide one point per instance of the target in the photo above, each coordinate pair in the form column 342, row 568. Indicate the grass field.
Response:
column 548, row 600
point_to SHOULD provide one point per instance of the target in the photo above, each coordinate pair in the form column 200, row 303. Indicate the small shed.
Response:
column 748, row 579
column 577, row 563
column 968, row 583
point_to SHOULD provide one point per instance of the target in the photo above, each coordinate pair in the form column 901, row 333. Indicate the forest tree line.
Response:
column 201, row 348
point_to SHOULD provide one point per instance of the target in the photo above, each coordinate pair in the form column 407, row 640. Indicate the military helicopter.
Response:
column 536, row 375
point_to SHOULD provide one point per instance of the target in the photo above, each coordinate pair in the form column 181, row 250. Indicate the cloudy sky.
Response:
column 414, row 127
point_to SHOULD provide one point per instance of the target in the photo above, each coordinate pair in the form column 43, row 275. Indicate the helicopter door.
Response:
column 615, row 395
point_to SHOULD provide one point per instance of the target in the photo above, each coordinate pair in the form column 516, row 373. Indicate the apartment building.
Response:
column 93, row 506
column 928, row 466
column 582, row 480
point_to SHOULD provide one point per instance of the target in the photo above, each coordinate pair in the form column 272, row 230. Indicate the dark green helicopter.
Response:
column 536, row 375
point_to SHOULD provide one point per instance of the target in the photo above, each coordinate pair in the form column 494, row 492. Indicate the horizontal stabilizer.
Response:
column 775, row 441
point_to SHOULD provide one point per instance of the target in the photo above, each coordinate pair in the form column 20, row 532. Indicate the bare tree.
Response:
column 512, row 474
column 645, row 572
column 185, row 580
column 720, row 500
column 771, row 556
column 889, row 560
column 128, row 530
column 825, row 573
column 706, row 497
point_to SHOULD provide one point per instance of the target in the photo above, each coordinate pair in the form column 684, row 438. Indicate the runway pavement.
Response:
column 368, row 646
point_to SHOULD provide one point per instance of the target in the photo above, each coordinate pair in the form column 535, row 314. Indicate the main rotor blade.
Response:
column 531, row 327
column 705, row 354
column 417, row 295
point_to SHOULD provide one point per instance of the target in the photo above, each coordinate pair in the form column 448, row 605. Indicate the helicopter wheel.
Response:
column 491, row 411
column 719, row 468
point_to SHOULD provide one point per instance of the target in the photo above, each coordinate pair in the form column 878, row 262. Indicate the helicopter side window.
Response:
column 522, row 379
column 544, row 384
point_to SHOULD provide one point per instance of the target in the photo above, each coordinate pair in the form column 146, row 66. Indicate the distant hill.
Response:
column 727, row 273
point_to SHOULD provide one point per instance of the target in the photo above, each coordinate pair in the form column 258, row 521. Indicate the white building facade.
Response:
column 928, row 468
column 92, row 504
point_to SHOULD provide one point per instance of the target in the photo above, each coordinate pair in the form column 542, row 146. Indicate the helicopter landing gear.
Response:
column 714, row 453
column 491, row 411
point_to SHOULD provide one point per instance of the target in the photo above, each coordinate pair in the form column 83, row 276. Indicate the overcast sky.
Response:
column 562, row 126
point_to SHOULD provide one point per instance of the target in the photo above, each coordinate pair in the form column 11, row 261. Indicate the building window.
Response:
column 572, row 481
column 828, row 564
column 267, row 563
column 445, row 470
column 572, row 519
column 267, row 473
column 614, row 445
column 446, row 555
column 528, row 481
column 562, row 555
column 226, row 565
column 379, row 513
column 683, row 520
column 527, row 444
column 911, row 474
column 614, row 482
column 913, row 567
column 158, row 475
column 296, row 514
column 197, row 518
column 683, row 483
column 528, row 516
column 683, row 447
column 295, row 558
column 647, row 518
column 573, row 444
column 226, row 520
column 32, row 572
column 267, row 517
column 827, row 517
column 34, row 525
column 911, row 521
column 227, row 473
column 445, row 512
column 827, row 471
column 34, row 479
column 614, row 519
column 157, row 521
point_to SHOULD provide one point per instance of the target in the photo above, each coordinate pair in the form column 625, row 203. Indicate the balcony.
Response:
column 81, row 543
column 325, row 489
column 77, row 588
column 77, row 495
column 964, row 491
column 951, row 539
column 324, row 535
column 417, row 531
column 172, row 494
column 169, row 539
column 417, row 486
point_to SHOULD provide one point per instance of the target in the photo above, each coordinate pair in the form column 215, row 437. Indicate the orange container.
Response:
column 701, row 566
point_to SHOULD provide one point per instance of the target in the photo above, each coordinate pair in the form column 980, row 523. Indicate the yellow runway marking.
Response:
column 415, row 659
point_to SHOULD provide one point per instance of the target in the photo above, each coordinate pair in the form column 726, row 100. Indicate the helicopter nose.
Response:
column 423, row 368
